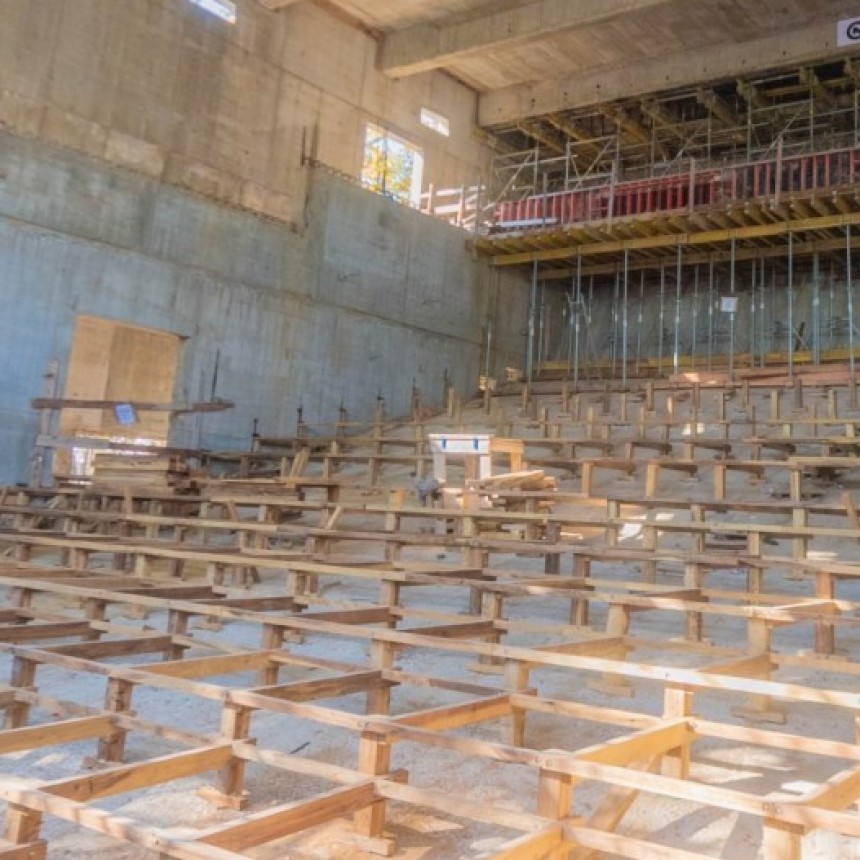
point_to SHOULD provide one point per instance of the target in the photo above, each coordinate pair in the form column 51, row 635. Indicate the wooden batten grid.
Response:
column 98, row 552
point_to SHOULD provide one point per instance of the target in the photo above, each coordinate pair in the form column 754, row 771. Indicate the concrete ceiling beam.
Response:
column 723, row 61
column 426, row 46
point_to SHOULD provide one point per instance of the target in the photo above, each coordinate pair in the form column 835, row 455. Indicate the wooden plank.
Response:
column 131, row 777
column 323, row 688
column 18, row 792
column 532, row 846
column 268, row 825
column 50, row 734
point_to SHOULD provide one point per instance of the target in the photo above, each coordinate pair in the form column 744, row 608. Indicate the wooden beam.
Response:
column 427, row 46
column 261, row 827
column 50, row 734
column 673, row 240
column 137, row 405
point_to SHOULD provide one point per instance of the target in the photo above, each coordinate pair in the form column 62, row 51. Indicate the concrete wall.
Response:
column 819, row 307
column 369, row 296
column 167, row 89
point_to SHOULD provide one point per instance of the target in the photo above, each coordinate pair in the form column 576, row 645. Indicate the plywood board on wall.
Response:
column 112, row 360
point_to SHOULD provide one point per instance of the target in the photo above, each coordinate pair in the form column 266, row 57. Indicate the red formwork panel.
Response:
column 759, row 180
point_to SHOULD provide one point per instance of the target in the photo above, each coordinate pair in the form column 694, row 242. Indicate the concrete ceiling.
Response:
column 531, row 58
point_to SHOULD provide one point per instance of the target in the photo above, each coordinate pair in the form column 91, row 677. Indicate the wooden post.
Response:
column 553, row 801
column 677, row 703
column 517, row 680
column 23, row 677
column 22, row 831
column 774, row 404
column 781, row 841
column 118, row 701
column 229, row 791
column 374, row 759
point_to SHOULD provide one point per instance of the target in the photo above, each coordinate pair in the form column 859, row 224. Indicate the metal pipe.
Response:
column 662, row 310
column 639, row 320
column 790, row 304
column 676, row 354
column 710, row 314
column 614, row 351
column 752, row 314
column 577, row 309
column 850, row 288
column 695, row 312
column 732, row 313
column 816, row 310
column 530, row 343
column 762, row 307
column 624, row 324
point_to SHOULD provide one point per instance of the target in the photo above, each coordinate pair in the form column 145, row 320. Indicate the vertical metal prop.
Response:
column 577, row 310
column 762, row 307
column 849, row 286
column 531, row 330
column 732, row 314
column 615, row 290
column 754, row 269
column 816, row 309
column 639, row 320
column 710, row 314
column 790, row 304
column 662, row 310
column 695, row 314
column 624, row 323
column 676, row 353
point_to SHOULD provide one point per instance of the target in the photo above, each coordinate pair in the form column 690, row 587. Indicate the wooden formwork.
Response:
column 684, row 636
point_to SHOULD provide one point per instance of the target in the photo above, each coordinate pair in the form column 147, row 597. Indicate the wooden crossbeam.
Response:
column 270, row 824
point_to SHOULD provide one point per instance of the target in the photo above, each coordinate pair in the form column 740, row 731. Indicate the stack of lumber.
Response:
column 155, row 473
column 503, row 489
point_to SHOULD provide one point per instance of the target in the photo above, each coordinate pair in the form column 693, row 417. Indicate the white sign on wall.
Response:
column 728, row 304
column 848, row 32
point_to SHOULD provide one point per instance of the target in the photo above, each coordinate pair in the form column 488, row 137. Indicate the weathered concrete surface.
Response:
column 166, row 89
column 361, row 299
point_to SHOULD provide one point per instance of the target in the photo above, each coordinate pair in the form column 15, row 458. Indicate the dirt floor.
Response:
column 423, row 834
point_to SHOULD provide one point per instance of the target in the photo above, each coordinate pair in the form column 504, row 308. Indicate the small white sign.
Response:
column 848, row 33
column 124, row 413
column 728, row 304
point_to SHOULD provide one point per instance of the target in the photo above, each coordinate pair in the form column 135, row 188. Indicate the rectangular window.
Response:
column 224, row 9
column 392, row 166
column 436, row 122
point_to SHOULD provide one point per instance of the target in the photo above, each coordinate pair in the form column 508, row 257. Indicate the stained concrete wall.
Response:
column 165, row 88
column 365, row 297
column 818, row 309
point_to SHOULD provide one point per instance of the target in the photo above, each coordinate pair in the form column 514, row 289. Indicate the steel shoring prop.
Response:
column 639, row 320
column 571, row 311
column 578, row 313
column 614, row 343
column 695, row 313
column 530, row 343
column 710, row 315
column 753, row 270
column 816, row 309
column 624, row 324
column 676, row 355
column 587, row 314
column 849, row 286
column 732, row 315
column 790, row 305
column 662, row 319
column 762, row 292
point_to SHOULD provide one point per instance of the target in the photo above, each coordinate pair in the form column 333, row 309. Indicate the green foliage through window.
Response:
column 391, row 166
